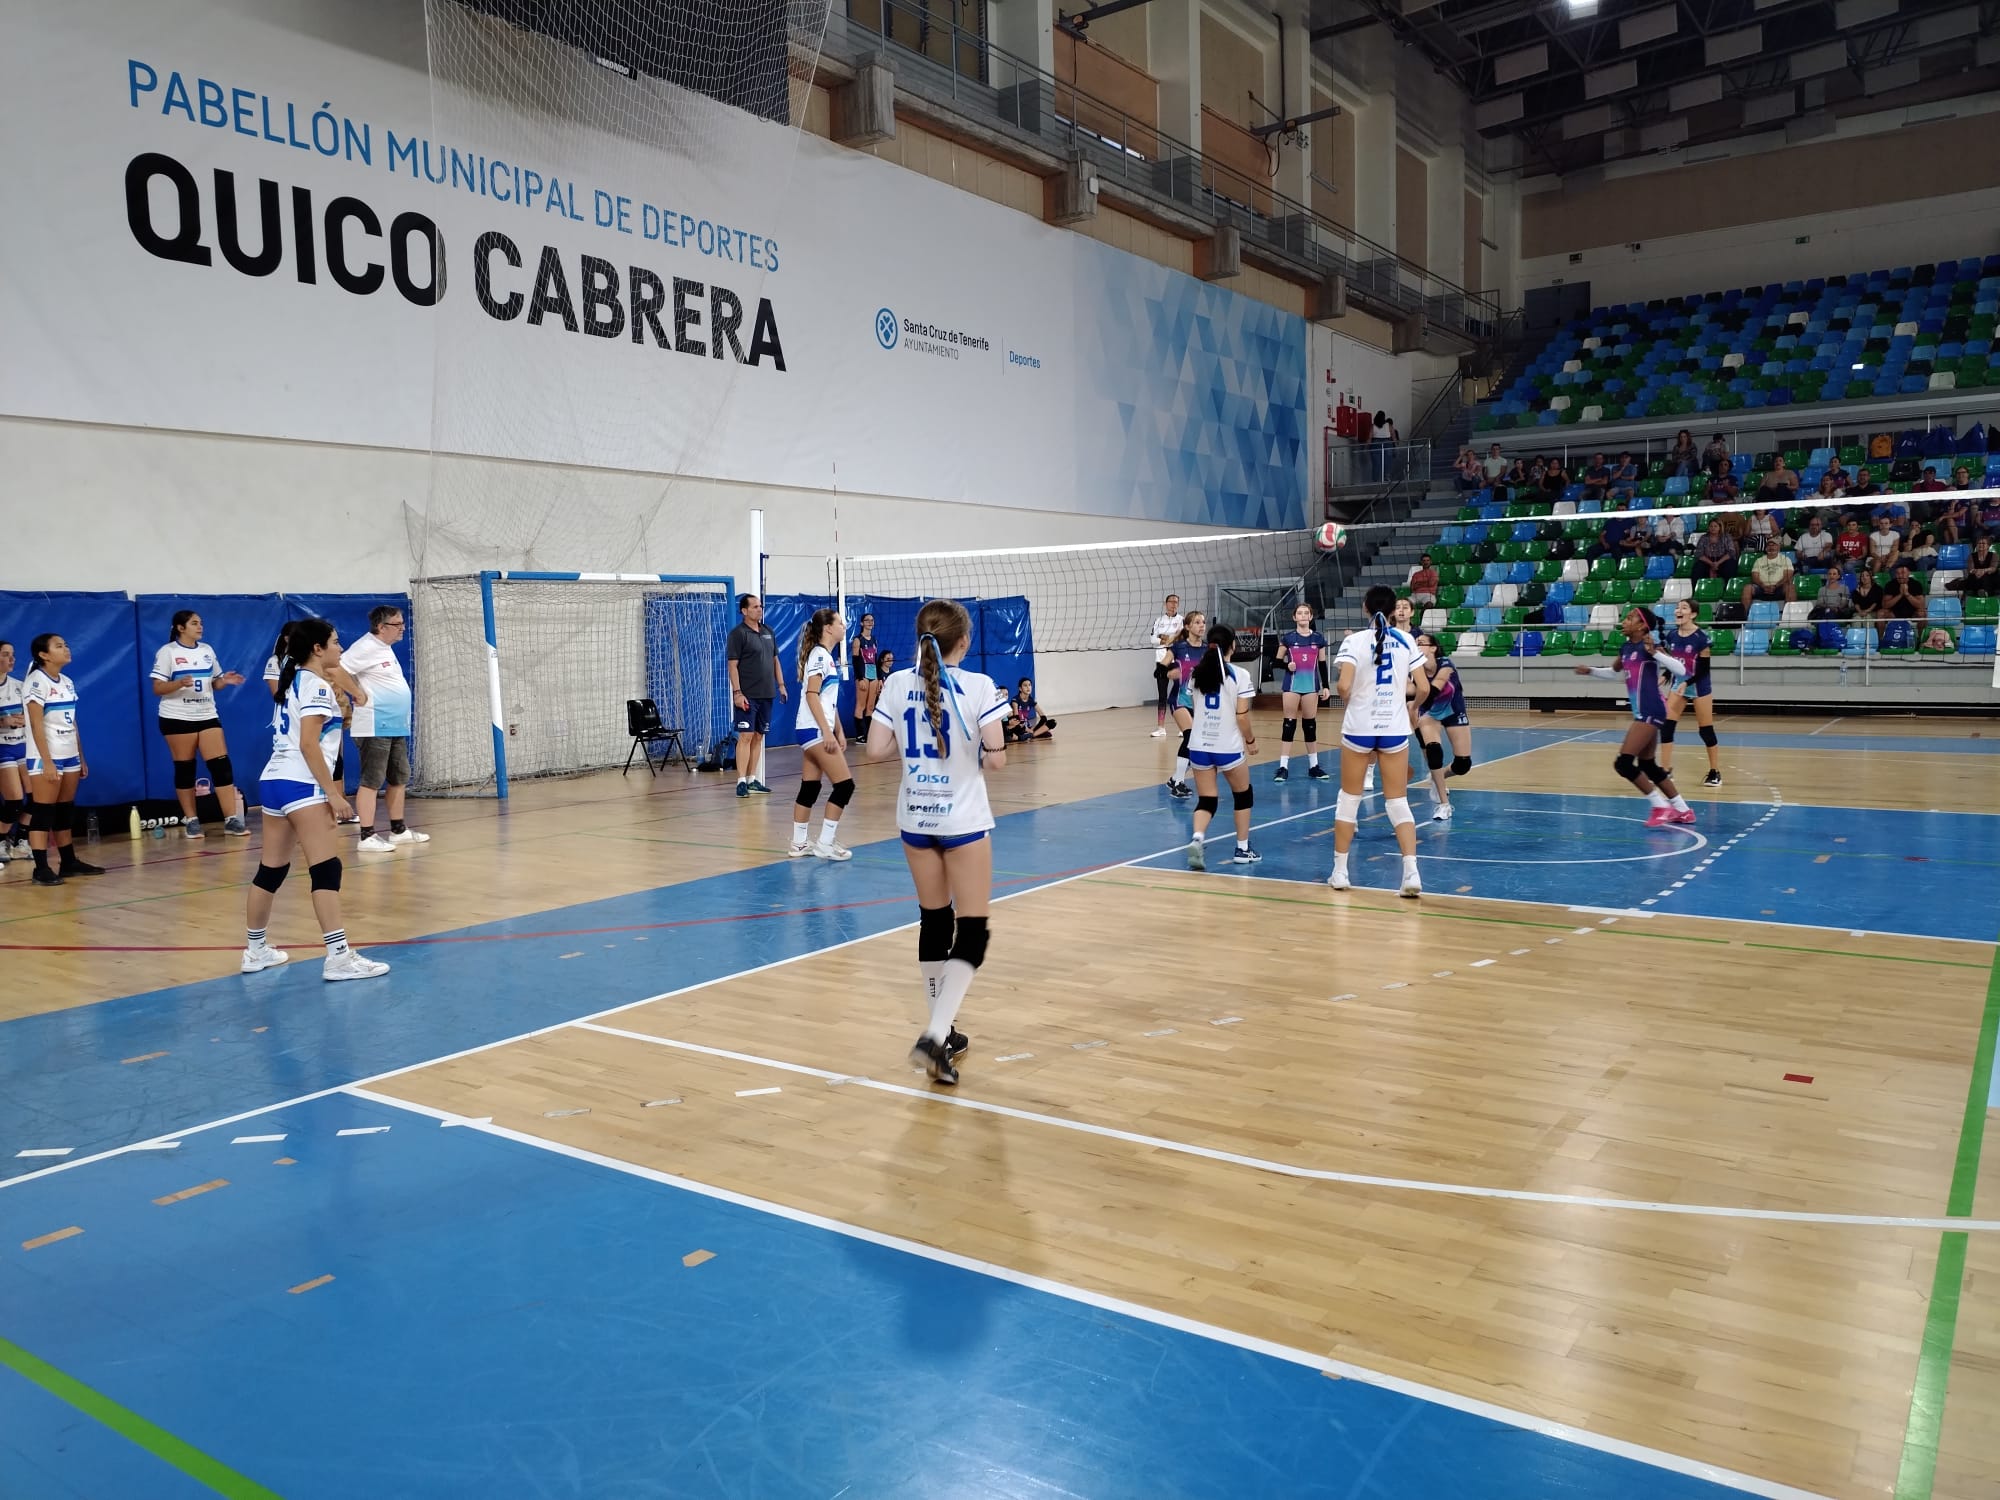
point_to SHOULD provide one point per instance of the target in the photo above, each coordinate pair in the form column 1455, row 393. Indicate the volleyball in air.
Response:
column 1331, row 537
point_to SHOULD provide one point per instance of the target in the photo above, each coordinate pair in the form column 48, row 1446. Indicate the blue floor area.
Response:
column 1573, row 850
column 507, row 1321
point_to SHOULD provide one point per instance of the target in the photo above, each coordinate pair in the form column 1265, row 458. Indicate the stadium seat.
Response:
column 1984, row 609
column 1977, row 640
column 1576, row 616
column 1489, row 618
column 1949, row 609
column 1527, row 643
column 1520, row 614
column 1472, row 643
column 1557, row 643
column 1618, row 591
column 1434, row 620
column 1788, row 642
column 1722, row 643
column 1575, row 570
column 1859, row 640
column 1797, row 612
column 1661, row 566
column 1753, row 642
column 1709, row 590
column 1603, row 616
column 1677, row 589
column 1765, row 612
column 1648, row 591
column 1928, row 649
column 1463, row 618
column 1504, row 595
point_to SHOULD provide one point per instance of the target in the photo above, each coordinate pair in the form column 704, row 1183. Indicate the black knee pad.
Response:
column 325, row 874
column 184, row 776
column 1655, row 772
column 1707, row 733
column 1627, row 766
column 1184, row 740
column 1434, row 755
column 1460, row 764
column 270, row 877
column 808, row 794
column 1312, row 731
column 221, row 773
column 42, row 817
column 968, row 943
column 1290, row 731
column 934, row 934
column 1207, row 805
column 63, row 816
column 1668, row 730
column 1244, row 800
column 10, row 810
column 843, row 793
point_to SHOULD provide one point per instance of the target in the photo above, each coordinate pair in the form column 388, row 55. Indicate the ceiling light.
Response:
column 1581, row 7
column 1861, row 367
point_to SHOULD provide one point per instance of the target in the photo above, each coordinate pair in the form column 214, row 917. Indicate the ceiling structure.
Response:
column 1566, row 85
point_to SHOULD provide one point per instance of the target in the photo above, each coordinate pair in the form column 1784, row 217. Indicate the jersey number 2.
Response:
column 914, row 749
column 1385, row 670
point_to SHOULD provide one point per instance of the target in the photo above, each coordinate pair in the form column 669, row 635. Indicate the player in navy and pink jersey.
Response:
column 1187, row 649
column 1442, row 713
column 1688, row 643
column 1302, row 670
column 1640, row 663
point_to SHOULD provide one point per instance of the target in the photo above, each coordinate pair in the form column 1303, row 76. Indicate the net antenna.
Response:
column 528, row 674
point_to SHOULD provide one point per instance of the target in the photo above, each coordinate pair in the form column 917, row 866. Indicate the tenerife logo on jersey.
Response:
column 886, row 328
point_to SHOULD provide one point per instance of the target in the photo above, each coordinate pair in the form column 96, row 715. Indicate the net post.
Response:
column 493, row 684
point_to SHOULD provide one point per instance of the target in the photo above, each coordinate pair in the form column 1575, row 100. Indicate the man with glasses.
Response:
column 382, row 729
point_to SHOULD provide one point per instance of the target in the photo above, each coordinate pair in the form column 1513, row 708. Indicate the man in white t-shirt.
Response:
column 382, row 728
column 1165, row 627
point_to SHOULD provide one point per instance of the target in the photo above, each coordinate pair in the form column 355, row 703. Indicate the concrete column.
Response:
column 1025, row 28
column 1446, row 184
column 1375, row 169
column 1294, row 179
column 1173, row 46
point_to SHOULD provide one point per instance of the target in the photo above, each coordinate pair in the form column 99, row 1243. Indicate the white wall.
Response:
column 1838, row 243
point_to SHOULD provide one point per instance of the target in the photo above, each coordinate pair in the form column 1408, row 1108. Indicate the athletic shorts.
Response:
column 1452, row 716
column 13, row 755
column 1363, row 744
column 187, row 726
column 63, row 765
column 1699, row 687
column 943, row 841
column 385, row 760
column 811, row 736
column 285, row 797
column 1215, row 760
column 756, row 719
column 1303, row 683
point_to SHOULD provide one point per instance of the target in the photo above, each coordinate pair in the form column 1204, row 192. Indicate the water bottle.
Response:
column 1843, row 671
column 90, row 832
column 132, row 824
column 203, row 786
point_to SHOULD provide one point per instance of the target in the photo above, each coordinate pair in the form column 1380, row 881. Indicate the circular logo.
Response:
column 886, row 328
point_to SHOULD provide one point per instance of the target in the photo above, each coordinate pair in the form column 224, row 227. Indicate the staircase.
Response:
column 1337, row 588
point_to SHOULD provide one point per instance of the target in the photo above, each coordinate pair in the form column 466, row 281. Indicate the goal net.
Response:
column 566, row 655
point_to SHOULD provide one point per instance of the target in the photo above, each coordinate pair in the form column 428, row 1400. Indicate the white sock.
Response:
column 1680, row 803
column 1312, row 757
column 336, row 942
column 1657, row 797
column 828, row 827
column 932, row 971
column 1180, row 768
column 953, row 982
column 740, row 778
column 1409, row 867
column 1243, row 843
column 800, row 833
column 1339, row 864
column 1284, row 761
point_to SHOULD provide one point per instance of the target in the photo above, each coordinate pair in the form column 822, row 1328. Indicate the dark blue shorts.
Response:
column 756, row 719
column 943, row 841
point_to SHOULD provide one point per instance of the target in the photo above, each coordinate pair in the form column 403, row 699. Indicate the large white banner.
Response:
column 307, row 219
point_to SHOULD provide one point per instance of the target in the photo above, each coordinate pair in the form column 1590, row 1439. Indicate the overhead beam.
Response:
column 1079, row 22
column 1342, row 28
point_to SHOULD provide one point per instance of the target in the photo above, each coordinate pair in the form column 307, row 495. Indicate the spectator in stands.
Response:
column 1597, row 478
column 1930, row 484
column 1982, row 572
column 381, row 729
column 1722, row 482
column 1610, row 541
column 1921, row 554
column 1759, row 525
column 1895, row 512
column 1814, row 548
column 1625, row 477
column 1866, row 593
column 1829, row 489
column 1884, row 542
column 1834, row 601
column 1954, row 516
column 1669, row 533
column 1384, row 440
column 1837, row 472
column 1683, row 459
column 1851, row 546
column 1989, row 513
column 1470, row 471
column 1770, row 577
column 1494, row 467
column 1863, row 486
column 1554, row 479
column 1715, row 553
column 1781, row 485
column 1902, row 601
column 1424, row 582
column 1715, row 457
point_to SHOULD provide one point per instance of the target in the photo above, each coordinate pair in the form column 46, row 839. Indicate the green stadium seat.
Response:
column 1499, row 643
column 1511, row 552
column 1631, row 567
column 1590, row 591
column 1618, row 591
column 1612, row 643
column 1781, row 643
column 1710, row 590
column 1462, row 617
column 1519, row 615
column 1558, row 643
column 1852, row 456
column 1722, row 643
column 1684, row 565
column 1604, row 568
column 1930, row 650
column 1447, row 641
column 1548, row 571
column 1808, row 585
column 1982, row 611
column 1648, row 591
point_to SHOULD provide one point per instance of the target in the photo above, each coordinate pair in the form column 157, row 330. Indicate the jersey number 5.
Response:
column 914, row 749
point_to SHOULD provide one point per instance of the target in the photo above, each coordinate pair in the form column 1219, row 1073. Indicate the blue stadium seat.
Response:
column 1521, row 572
column 1766, row 612
column 1478, row 595
column 1527, row 643
column 1491, row 617
column 1977, row 640
column 1661, row 566
column 1576, row 616
column 1495, row 572
column 1947, row 609
column 1753, row 642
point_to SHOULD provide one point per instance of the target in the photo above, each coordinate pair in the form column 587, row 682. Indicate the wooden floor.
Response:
column 1199, row 1070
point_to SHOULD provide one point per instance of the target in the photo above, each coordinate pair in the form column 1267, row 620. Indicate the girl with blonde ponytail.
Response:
column 948, row 725
column 822, row 743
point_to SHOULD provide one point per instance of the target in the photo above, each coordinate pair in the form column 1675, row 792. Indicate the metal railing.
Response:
column 984, row 82
column 1580, row 441
column 1352, row 464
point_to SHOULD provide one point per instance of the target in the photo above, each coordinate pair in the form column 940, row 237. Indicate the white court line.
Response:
column 1822, row 728
column 1314, row 1174
column 171, row 1139
column 1430, row 1395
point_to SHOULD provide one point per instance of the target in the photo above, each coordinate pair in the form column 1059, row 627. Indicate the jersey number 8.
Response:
column 1212, row 702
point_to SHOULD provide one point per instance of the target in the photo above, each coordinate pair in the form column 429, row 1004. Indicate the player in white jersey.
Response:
column 1219, row 741
column 300, row 799
column 13, row 760
column 1378, row 668
column 822, row 742
column 55, row 761
column 186, row 674
column 948, row 726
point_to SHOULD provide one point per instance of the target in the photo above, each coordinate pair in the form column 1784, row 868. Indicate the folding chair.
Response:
column 642, row 722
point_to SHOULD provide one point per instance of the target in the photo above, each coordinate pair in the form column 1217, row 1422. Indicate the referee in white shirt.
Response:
column 1165, row 628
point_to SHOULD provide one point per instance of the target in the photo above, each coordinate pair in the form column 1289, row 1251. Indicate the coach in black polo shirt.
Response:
column 755, row 678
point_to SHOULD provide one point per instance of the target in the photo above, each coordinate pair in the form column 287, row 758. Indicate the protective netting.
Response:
column 688, row 109
column 1104, row 596
column 571, row 654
